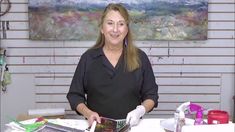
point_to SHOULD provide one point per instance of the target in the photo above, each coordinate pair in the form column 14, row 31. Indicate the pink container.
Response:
column 218, row 117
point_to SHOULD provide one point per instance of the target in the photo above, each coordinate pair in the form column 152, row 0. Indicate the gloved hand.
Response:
column 133, row 117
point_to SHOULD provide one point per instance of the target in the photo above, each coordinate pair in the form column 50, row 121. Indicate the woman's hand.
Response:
column 89, row 114
column 134, row 116
column 93, row 116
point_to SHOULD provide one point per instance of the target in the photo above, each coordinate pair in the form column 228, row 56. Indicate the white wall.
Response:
column 198, row 71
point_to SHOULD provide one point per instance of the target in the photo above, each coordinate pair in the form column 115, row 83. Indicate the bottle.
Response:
column 199, row 113
column 180, row 116
column 199, row 118
column 180, row 122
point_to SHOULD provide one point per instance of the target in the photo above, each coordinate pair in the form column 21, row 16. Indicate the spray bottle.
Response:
column 180, row 116
column 199, row 113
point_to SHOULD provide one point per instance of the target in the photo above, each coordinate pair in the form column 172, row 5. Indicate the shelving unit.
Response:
column 2, row 64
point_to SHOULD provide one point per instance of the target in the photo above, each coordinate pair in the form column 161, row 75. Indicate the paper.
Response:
column 47, row 112
column 168, row 124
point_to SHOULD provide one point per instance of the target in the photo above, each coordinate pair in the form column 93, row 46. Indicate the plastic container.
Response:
column 199, row 113
column 218, row 117
column 180, row 122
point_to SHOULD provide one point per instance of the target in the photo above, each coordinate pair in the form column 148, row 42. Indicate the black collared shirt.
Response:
column 111, row 91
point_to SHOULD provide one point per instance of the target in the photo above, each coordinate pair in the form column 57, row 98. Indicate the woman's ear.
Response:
column 101, row 30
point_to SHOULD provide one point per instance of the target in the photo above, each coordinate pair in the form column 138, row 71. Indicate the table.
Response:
column 149, row 125
column 210, row 128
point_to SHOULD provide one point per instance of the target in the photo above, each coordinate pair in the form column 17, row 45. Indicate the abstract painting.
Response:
column 151, row 19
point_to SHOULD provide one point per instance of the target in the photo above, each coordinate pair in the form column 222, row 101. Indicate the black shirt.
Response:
column 111, row 91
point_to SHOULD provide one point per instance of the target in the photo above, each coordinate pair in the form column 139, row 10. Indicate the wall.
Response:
column 197, row 71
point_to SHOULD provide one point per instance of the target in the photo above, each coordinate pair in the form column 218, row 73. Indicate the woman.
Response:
column 116, row 76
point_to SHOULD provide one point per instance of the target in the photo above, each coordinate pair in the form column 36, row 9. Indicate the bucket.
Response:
column 218, row 117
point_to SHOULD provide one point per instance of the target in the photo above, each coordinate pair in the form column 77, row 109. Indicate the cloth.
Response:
column 94, row 70
column 111, row 96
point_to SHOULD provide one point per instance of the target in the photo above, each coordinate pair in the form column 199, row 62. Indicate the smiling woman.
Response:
column 200, row 71
column 116, row 76
column 114, row 29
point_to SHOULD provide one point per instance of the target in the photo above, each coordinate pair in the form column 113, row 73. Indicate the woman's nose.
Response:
column 115, row 28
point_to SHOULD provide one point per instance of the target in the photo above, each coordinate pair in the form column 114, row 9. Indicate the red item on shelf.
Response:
column 218, row 117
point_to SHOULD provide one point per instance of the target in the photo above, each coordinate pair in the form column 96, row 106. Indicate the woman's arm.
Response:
column 87, row 113
column 148, row 105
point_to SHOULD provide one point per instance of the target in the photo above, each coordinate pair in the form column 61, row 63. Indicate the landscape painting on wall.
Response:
column 151, row 19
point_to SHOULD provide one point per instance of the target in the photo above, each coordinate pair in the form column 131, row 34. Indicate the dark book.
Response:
column 111, row 125
column 50, row 127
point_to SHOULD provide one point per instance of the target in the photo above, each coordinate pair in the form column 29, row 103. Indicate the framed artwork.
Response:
column 151, row 19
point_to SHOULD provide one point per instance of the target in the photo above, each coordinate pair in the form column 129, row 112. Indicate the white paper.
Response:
column 47, row 112
column 169, row 124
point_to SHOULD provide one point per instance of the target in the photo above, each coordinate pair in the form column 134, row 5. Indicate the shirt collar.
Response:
column 98, row 52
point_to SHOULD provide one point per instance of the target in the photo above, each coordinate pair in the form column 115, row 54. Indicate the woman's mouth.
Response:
column 114, row 35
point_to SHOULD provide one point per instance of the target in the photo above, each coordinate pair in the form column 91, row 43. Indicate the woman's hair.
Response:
column 131, row 55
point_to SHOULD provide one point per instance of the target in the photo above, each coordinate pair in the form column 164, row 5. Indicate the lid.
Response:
column 217, row 112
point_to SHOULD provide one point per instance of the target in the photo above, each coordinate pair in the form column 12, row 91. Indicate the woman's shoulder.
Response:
column 142, row 54
column 144, row 58
column 91, row 54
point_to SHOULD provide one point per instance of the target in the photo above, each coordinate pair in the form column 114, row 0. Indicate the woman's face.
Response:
column 114, row 28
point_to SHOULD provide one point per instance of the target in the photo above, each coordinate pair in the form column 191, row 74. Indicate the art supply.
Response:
column 218, row 117
column 93, row 126
column 47, row 112
column 199, row 113
column 28, row 127
column 180, row 116
column 180, row 122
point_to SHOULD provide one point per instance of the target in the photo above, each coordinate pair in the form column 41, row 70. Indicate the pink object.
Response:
column 199, row 113
column 218, row 117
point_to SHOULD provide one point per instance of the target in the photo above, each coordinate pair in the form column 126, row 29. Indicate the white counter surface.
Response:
column 145, row 125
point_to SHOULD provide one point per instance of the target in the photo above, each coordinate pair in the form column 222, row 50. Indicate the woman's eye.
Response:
column 121, row 24
column 109, row 23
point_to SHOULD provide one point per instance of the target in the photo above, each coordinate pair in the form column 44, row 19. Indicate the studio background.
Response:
column 197, row 71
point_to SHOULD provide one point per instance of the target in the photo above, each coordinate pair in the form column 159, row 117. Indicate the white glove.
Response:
column 133, row 117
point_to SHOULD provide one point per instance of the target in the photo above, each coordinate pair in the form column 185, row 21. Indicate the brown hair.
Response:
column 131, row 55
